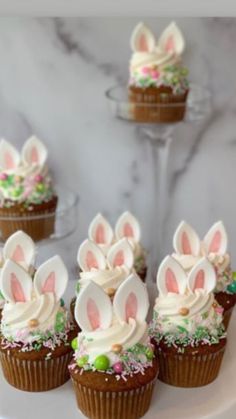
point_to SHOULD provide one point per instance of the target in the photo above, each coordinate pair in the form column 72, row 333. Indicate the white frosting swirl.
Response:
column 158, row 59
column 200, row 312
column 16, row 318
column 107, row 278
column 101, row 341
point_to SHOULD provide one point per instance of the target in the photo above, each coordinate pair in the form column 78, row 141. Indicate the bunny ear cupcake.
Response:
column 189, row 249
column 187, row 327
column 157, row 77
column 26, row 190
column 128, row 226
column 101, row 233
column 114, row 359
column 35, row 331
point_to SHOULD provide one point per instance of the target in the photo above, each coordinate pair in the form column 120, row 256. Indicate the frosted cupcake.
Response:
column 158, row 84
column 19, row 248
column 188, row 324
column 114, row 368
column 189, row 249
column 107, row 271
column 27, row 197
column 127, row 225
column 35, row 332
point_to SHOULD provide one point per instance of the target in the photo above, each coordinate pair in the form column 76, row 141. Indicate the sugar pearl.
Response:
column 184, row 311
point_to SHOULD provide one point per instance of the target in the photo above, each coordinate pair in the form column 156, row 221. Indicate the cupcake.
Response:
column 114, row 368
column 27, row 198
column 187, row 327
column 35, row 332
column 101, row 232
column 21, row 249
column 189, row 249
column 107, row 271
column 158, row 84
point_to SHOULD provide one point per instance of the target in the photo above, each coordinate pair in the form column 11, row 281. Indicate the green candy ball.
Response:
column 149, row 354
column 40, row 187
column 232, row 288
column 102, row 363
column 82, row 361
column 74, row 344
column 16, row 192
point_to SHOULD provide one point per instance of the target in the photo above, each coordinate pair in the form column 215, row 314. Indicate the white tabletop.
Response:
column 216, row 401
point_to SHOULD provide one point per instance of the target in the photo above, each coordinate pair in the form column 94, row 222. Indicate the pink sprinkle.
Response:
column 145, row 70
column 219, row 310
column 155, row 74
column 118, row 367
column 38, row 178
column 3, row 176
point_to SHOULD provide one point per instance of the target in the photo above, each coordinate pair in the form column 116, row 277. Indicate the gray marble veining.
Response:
column 53, row 76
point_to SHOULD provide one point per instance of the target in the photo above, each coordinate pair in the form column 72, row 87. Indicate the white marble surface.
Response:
column 53, row 75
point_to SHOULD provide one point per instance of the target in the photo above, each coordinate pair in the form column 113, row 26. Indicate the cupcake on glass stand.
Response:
column 189, row 249
column 28, row 200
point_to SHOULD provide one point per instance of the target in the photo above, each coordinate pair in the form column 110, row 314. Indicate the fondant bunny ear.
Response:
column 171, row 40
column 20, row 248
column 202, row 276
column 216, row 239
column 121, row 254
column 90, row 256
column 131, row 300
column 128, row 226
column 51, row 276
column 186, row 240
column 93, row 309
column 171, row 277
column 15, row 283
column 34, row 152
column 142, row 39
column 100, row 230
column 9, row 156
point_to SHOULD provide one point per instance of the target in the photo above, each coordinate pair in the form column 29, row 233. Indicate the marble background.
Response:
column 53, row 76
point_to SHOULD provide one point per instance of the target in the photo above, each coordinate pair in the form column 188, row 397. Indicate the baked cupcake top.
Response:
column 24, row 177
column 107, row 271
column 19, row 248
column 158, row 63
column 127, row 226
column 114, row 336
column 185, row 312
column 34, row 315
column 189, row 249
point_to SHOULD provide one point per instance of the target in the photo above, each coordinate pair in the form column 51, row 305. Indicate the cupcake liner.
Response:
column 35, row 374
column 227, row 316
column 153, row 104
column 130, row 404
column 189, row 370
column 12, row 220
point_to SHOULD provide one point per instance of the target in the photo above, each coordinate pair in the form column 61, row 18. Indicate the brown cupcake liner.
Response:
column 183, row 370
column 35, row 375
column 227, row 316
column 130, row 404
column 38, row 224
column 160, row 105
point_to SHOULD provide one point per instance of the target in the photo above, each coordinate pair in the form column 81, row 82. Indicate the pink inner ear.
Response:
column 91, row 261
column 93, row 314
column 18, row 254
column 9, row 162
column 170, row 44
column 34, row 155
column 215, row 243
column 186, row 247
column 171, row 282
column 16, row 289
column 199, row 280
column 119, row 258
column 142, row 44
column 131, row 307
column 100, row 234
column 49, row 284
column 128, row 230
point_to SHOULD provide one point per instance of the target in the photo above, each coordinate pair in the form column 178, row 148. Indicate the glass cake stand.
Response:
column 61, row 223
column 159, row 137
